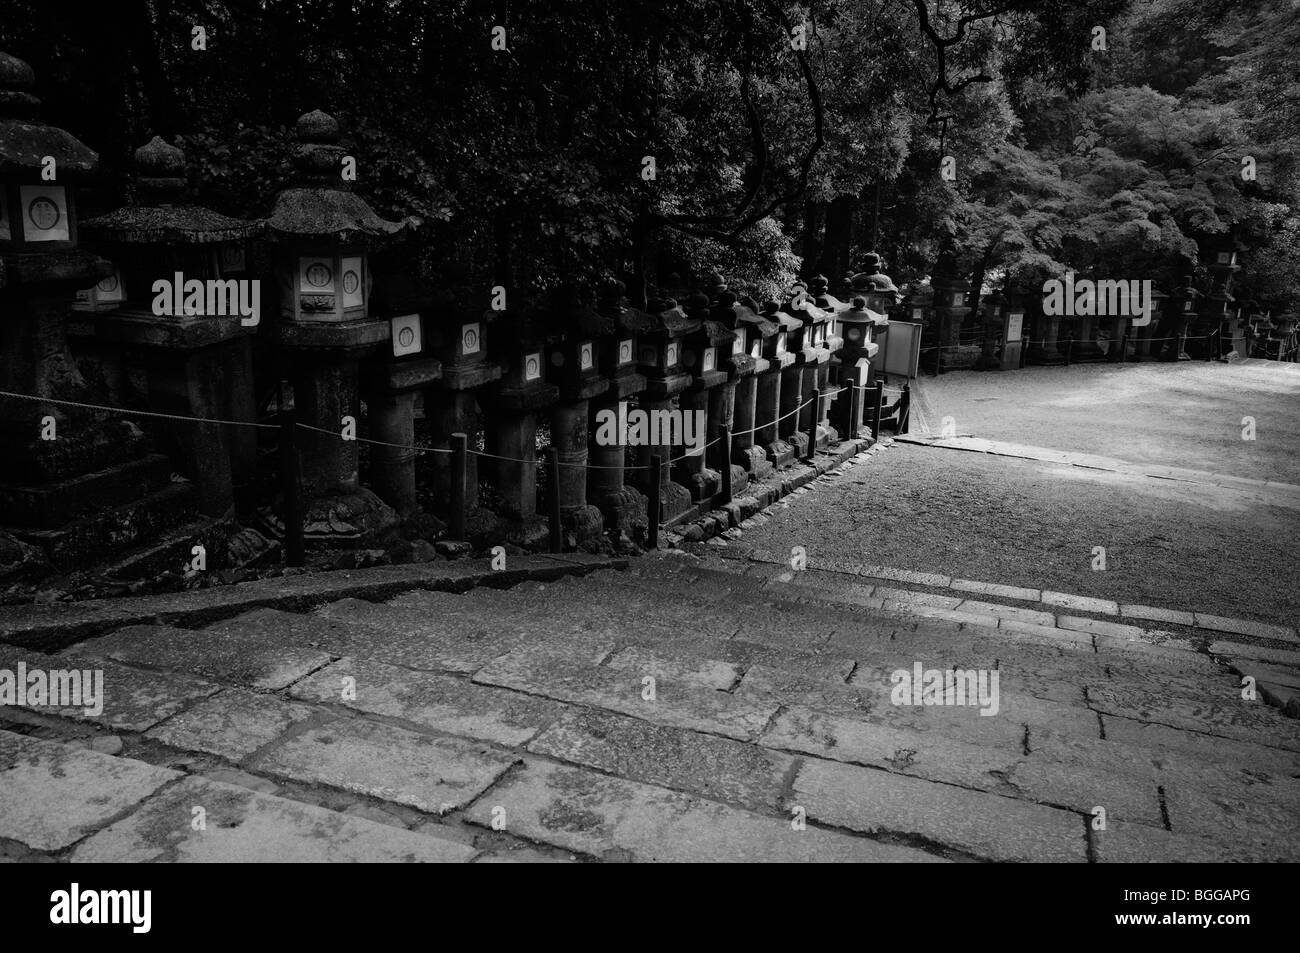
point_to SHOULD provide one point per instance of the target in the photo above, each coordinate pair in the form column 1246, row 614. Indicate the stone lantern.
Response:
column 391, row 380
column 817, row 356
column 323, row 234
column 951, row 306
column 1142, row 336
column 76, row 484
column 176, row 301
column 856, row 324
column 519, row 344
column 1220, row 312
column 993, row 309
column 711, row 397
column 758, row 392
column 1179, row 313
column 623, row 506
column 785, row 350
column 575, row 367
column 661, row 352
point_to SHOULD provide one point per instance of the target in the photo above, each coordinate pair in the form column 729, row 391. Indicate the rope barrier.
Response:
column 395, row 446
column 138, row 413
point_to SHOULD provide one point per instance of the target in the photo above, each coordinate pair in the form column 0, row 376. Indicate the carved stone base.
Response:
column 624, row 510
column 799, row 441
column 739, row 479
column 353, row 518
column 674, row 500
column 780, row 454
column 754, row 461
column 532, row 533
column 586, row 524
column 704, row 483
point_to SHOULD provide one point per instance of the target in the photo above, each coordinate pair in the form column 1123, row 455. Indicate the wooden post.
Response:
column 851, row 389
column 877, row 398
column 553, row 474
column 652, row 503
column 904, row 409
column 724, row 437
column 294, row 546
column 812, row 428
column 459, row 475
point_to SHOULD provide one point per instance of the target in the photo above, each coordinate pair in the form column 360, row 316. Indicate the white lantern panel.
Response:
column 407, row 338
column 316, row 276
column 585, row 359
column 917, row 314
column 756, row 349
column 670, row 354
column 471, row 339
column 738, row 345
column 354, row 295
column 625, row 351
column 533, row 366
column 1015, row 324
column 780, row 343
column 233, row 258
column 710, row 358
column 5, row 234
column 109, row 289
column 45, row 213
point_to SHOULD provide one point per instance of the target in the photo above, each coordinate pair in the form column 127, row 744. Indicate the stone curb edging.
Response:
column 1196, row 621
column 52, row 626
column 729, row 520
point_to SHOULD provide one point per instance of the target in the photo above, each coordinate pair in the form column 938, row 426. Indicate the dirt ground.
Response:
column 999, row 519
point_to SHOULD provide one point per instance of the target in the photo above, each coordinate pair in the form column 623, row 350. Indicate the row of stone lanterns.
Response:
column 340, row 336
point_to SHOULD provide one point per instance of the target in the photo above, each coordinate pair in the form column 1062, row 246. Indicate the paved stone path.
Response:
column 685, row 709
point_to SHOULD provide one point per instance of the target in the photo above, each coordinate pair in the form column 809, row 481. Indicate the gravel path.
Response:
column 1026, row 523
column 1035, row 524
column 1183, row 415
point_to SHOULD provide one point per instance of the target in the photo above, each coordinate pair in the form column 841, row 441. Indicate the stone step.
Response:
column 50, row 505
column 99, row 536
column 227, row 546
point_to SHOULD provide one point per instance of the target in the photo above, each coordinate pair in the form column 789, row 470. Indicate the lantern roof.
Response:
column 772, row 312
column 717, row 333
column 319, row 205
column 613, row 303
column 670, row 318
column 747, row 315
column 871, row 280
column 859, row 313
column 24, row 142
column 572, row 315
column 160, row 170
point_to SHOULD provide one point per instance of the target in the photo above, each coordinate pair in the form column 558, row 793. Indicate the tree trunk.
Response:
column 834, row 262
column 813, row 221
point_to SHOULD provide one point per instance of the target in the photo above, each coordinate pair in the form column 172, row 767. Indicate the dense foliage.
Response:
column 524, row 165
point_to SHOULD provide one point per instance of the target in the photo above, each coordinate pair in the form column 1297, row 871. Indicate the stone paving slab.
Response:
column 716, row 768
column 133, row 700
column 440, row 702
column 239, row 656
column 1100, row 626
column 1228, row 716
column 52, row 795
column 1083, row 603
column 1123, row 843
column 1155, row 614
column 1245, row 825
column 436, row 775
column 1259, row 630
column 982, row 824
column 231, row 724
column 924, row 754
column 243, row 826
column 57, row 625
column 1260, row 653
column 680, row 703
column 707, row 673
column 997, row 589
column 614, row 819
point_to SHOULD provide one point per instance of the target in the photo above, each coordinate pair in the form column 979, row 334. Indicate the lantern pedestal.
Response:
column 744, row 453
column 512, row 434
column 324, row 362
column 768, row 408
column 197, row 367
column 624, row 507
column 569, row 437
column 390, row 390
